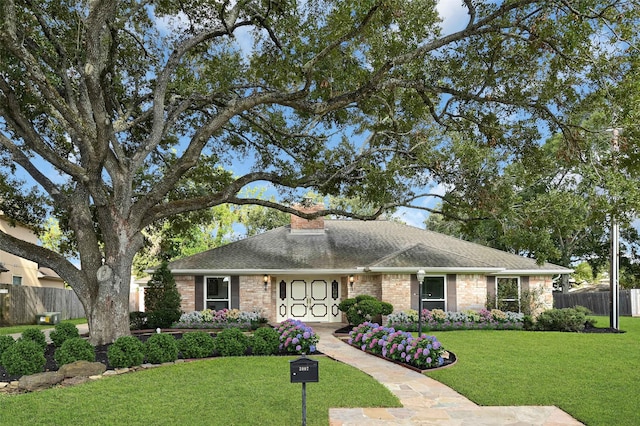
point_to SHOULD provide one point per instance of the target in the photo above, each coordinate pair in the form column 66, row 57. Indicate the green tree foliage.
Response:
column 127, row 116
column 549, row 206
column 162, row 299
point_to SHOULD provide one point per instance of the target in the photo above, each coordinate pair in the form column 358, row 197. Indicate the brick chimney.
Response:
column 306, row 226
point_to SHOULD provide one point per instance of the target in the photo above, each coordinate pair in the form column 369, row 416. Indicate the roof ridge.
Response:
column 429, row 247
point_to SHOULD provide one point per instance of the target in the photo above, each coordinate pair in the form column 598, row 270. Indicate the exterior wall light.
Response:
column 351, row 281
column 265, row 279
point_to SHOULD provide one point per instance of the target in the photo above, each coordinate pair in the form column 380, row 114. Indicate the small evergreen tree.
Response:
column 162, row 299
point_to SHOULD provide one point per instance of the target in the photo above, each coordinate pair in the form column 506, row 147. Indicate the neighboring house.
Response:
column 19, row 271
column 305, row 270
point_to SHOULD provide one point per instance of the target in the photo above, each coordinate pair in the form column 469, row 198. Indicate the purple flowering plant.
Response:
column 220, row 319
column 421, row 352
column 296, row 337
column 440, row 320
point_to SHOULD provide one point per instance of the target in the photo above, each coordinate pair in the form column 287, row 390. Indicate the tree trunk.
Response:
column 107, row 308
column 565, row 283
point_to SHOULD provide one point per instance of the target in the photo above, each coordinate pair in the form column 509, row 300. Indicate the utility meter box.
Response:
column 303, row 370
column 48, row 318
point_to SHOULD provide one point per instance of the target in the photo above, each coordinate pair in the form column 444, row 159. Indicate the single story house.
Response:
column 306, row 269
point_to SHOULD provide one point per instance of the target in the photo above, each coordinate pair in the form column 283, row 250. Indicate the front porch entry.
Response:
column 309, row 299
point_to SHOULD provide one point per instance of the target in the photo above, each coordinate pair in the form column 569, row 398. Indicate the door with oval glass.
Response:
column 309, row 299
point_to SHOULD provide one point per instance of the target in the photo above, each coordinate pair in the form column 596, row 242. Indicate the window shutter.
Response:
column 199, row 279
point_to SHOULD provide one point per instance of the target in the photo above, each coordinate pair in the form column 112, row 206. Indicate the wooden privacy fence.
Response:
column 21, row 304
column 596, row 302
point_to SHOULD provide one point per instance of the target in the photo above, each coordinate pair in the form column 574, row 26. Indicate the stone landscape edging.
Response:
column 48, row 379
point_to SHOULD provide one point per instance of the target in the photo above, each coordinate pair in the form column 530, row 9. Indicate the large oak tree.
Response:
column 127, row 113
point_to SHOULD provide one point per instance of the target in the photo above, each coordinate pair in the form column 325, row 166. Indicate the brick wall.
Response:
column 397, row 291
column 365, row 284
column 542, row 284
column 186, row 285
column 471, row 292
column 253, row 295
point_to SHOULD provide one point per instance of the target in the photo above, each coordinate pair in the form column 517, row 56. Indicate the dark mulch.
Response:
column 588, row 328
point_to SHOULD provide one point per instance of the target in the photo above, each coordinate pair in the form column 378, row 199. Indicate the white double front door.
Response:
column 309, row 299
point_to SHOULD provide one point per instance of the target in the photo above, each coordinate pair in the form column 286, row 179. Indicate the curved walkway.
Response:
column 424, row 401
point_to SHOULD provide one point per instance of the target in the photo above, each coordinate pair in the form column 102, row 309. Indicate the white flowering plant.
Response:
column 437, row 320
column 223, row 318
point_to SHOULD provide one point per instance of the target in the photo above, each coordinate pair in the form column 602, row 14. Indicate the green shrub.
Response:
column 566, row 319
column 161, row 347
column 196, row 344
column 75, row 349
column 63, row 331
column 231, row 342
column 137, row 320
column 162, row 298
column 35, row 335
column 364, row 308
column 265, row 341
column 125, row 352
column 5, row 342
column 23, row 357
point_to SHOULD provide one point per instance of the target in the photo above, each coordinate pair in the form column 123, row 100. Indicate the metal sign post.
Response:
column 303, row 370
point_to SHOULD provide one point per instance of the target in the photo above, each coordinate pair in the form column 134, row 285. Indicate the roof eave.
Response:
column 309, row 271
column 557, row 271
column 430, row 270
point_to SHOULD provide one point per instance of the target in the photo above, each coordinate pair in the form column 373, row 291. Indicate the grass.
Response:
column 20, row 328
column 593, row 377
column 218, row 391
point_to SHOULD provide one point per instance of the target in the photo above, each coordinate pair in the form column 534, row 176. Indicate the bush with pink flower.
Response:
column 439, row 320
column 297, row 338
column 422, row 352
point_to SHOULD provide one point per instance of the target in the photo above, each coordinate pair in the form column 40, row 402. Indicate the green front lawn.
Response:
column 218, row 391
column 593, row 377
column 20, row 328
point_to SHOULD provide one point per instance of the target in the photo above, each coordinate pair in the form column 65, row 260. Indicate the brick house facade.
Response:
column 304, row 270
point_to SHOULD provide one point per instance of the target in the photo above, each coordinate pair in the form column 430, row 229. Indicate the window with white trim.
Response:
column 17, row 280
column 216, row 293
column 434, row 291
column 508, row 294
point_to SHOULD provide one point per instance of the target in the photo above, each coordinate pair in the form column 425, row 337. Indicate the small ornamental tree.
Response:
column 364, row 308
column 162, row 299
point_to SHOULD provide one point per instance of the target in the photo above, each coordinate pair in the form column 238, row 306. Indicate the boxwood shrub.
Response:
column 23, row 357
column 63, row 331
column 565, row 319
column 231, row 342
column 265, row 341
column 126, row 351
column 74, row 349
column 196, row 344
column 161, row 347
column 5, row 342
column 35, row 335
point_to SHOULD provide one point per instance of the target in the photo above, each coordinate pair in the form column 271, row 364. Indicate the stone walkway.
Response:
column 424, row 400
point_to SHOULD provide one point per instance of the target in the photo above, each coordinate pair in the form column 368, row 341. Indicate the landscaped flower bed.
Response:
column 291, row 338
column 224, row 318
column 297, row 338
column 421, row 352
column 439, row 320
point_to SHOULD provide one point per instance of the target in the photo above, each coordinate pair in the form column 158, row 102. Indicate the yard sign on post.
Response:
column 303, row 370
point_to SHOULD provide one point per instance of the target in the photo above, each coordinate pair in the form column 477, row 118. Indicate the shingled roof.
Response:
column 348, row 246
